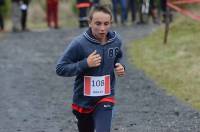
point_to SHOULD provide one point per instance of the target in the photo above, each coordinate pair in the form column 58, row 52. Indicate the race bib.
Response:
column 97, row 85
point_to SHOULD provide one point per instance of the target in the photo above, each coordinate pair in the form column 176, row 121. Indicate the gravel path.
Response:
column 34, row 99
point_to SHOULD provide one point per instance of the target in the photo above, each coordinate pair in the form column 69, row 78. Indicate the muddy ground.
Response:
column 34, row 99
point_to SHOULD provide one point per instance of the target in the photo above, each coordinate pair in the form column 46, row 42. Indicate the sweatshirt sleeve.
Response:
column 71, row 63
column 119, row 55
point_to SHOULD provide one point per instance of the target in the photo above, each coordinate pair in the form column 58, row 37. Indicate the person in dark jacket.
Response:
column 24, row 13
column 94, row 58
column 83, row 7
column 2, row 2
column 123, row 7
column 154, row 11
column 163, row 5
column 132, row 6
column 95, row 2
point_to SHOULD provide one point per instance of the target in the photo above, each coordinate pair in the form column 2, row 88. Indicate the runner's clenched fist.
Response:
column 94, row 59
column 120, row 71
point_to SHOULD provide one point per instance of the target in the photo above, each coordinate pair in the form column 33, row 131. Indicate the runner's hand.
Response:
column 120, row 71
column 94, row 59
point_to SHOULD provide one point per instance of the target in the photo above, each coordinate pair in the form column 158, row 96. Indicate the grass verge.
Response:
column 176, row 65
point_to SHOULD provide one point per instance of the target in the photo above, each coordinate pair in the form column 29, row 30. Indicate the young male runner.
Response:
column 94, row 58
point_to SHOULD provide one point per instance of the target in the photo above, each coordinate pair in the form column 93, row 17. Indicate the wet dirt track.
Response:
column 34, row 99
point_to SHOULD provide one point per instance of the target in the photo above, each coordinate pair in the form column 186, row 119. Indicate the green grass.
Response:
column 176, row 65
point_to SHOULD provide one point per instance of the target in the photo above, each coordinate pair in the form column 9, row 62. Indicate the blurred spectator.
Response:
column 1, row 15
column 132, row 7
column 154, row 11
column 123, row 7
column 83, row 7
column 143, row 11
column 16, row 15
column 106, row 3
column 163, row 5
column 24, row 10
column 148, row 8
column 95, row 2
column 52, row 13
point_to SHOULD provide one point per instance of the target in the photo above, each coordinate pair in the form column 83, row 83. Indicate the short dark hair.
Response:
column 99, row 8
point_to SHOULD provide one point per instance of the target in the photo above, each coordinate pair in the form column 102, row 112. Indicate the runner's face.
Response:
column 100, row 25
